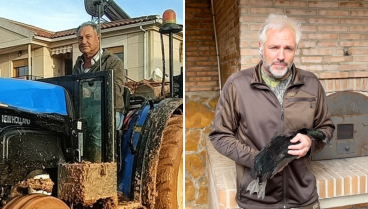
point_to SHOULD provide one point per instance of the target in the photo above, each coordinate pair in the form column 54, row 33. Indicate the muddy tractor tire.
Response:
column 169, row 182
column 35, row 201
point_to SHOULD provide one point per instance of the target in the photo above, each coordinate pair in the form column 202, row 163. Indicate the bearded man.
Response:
column 273, row 98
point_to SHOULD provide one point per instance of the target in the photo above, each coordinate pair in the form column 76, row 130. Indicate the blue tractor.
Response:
column 47, row 156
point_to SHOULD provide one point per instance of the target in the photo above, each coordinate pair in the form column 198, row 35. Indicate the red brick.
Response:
column 337, row 88
column 243, row 10
column 359, row 13
column 364, row 36
column 323, row 36
column 330, row 86
column 312, row 59
column 353, row 67
column 351, row 84
column 334, row 75
column 192, row 21
column 251, row 19
column 256, row 2
column 327, row 67
column 202, row 38
column 198, row 68
column 349, row 36
column 358, row 51
column 358, row 85
column 327, row 4
column 190, row 83
column 328, row 44
column 317, row 51
column 200, row 78
column 338, row 59
column 195, row 5
column 191, row 54
column 208, row 83
column 255, row 27
column 354, row 43
column 266, row 10
column 211, row 73
column 344, row 84
column 254, row 61
column 196, row 58
column 333, row 12
column 307, row 44
column 206, row 53
column 353, row 5
column 198, row 32
column 188, row 10
column 361, row 59
column 323, row 20
column 189, row 64
column 206, row 48
column 199, row 88
column 300, row 11
column 249, row 35
column 297, row 60
column 358, row 21
column 206, row 63
column 200, row 26
column 311, row 67
column 361, row 205
column 249, row 52
column 308, row 28
column 359, row 28
column 190, row 74
column 291, row 3
column 332, row 28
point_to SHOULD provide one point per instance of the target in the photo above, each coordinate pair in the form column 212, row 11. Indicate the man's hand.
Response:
column 302, row 148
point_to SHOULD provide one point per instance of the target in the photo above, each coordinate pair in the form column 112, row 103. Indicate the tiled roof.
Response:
column 38, row 31
column 48, row 34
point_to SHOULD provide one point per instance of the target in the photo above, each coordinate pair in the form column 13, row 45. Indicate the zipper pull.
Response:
column 282, row 114
column 310, row 102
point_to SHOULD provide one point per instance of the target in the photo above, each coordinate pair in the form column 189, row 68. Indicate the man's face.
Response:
column 279, row 51
column 88, row 41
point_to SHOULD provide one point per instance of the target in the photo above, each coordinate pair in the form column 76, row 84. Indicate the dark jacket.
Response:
column 248, row 115
column 108, row 61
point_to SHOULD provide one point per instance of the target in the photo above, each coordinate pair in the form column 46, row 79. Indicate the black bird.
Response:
column 273, row 157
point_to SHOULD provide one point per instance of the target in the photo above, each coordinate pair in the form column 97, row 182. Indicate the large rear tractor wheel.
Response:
column 36, row 201
column 169, row 183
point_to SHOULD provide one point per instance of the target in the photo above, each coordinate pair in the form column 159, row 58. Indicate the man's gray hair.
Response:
column 95, row 27
column 279, row 22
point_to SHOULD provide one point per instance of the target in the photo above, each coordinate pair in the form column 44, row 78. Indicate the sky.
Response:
column 58, row 15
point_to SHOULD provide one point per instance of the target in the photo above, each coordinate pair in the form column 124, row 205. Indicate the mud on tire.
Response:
column 168, row 186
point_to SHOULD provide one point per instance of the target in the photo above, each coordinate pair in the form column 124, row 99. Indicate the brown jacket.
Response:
column 108, row 61
column 248, row 115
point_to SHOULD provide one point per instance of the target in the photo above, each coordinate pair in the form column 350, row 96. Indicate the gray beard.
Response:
column 274, row 74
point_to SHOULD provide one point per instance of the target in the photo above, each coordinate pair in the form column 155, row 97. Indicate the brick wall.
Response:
column 227, row 30
column 201, row 72
column 329, row 28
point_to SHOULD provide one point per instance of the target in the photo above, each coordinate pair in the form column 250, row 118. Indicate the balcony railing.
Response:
column 29, row 77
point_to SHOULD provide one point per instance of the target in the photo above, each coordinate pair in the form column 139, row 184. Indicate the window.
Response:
column 118, row 51
column 20, row 68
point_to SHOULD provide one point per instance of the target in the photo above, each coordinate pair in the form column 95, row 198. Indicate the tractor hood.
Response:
column 33, row 96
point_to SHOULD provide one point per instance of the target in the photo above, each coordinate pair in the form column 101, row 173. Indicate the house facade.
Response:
column 30, row 52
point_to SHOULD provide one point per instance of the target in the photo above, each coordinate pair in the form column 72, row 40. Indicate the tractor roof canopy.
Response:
column 33, row 96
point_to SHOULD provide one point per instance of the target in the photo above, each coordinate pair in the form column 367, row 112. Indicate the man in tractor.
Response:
column 89, row 62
